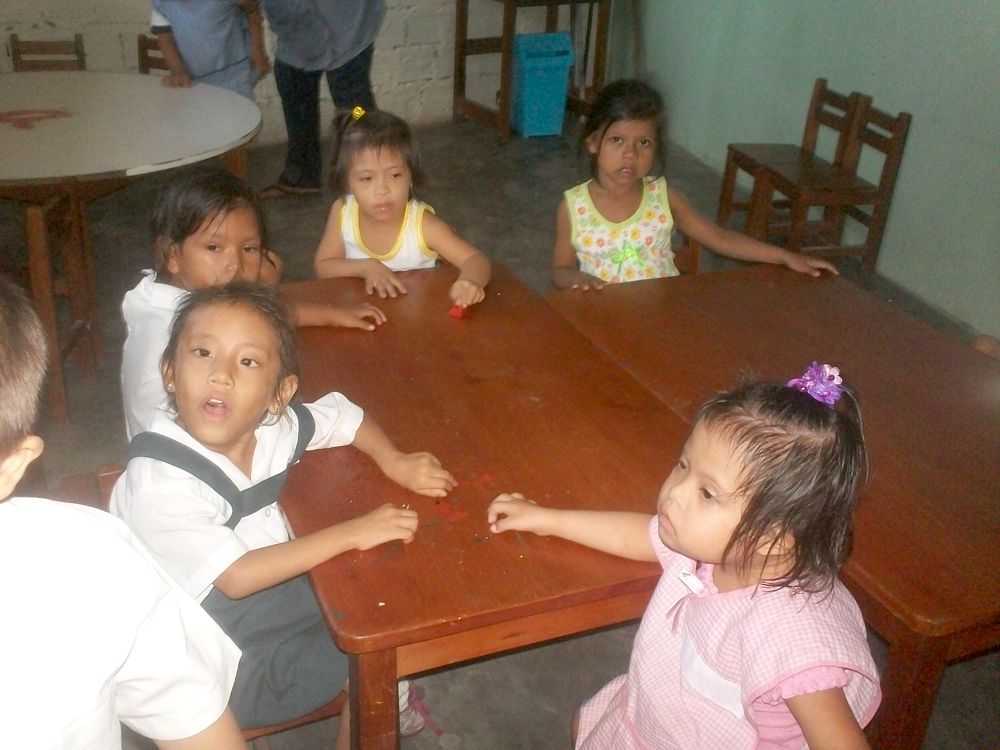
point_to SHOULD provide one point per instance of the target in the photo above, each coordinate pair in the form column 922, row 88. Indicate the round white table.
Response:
column 84, row 125
column 79, row 135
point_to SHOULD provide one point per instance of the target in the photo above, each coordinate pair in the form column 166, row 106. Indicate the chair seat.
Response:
column 818, row 177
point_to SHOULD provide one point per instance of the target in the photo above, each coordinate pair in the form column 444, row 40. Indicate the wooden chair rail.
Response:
column 27, row 55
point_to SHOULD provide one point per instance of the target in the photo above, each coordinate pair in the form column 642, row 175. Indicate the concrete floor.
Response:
column 501, row 198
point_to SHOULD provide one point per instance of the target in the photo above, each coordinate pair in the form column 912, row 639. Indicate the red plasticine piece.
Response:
column 458, row 311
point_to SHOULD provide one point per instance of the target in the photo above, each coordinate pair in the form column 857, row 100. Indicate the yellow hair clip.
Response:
column 357, row 113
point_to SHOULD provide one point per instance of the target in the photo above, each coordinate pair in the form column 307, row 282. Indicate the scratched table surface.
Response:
column 509, row 398
column 90, row 125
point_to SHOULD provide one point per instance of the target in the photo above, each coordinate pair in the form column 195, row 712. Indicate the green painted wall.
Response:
column 735, row 70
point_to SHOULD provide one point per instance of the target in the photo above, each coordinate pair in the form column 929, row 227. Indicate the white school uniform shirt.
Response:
column 93, row 632
column 148, row 310
column 182, row 520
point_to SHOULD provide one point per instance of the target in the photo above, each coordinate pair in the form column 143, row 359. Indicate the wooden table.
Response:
column 510, row 398
column 503, row 45
column 925, row 561
column 82, row 134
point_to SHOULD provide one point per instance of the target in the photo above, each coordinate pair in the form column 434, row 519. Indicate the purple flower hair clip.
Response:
column 822, row 382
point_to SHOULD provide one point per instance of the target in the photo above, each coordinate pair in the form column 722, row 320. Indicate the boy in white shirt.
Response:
column 93, row 632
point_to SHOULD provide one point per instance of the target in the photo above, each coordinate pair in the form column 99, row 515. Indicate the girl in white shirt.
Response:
column 201, row 490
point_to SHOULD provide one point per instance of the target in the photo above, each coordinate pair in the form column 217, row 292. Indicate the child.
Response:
column 201, row 490
column 376, row 226
column 209, row 230
column 213, row 41
column 750, row 641
column 617, row 227
column 93, row 632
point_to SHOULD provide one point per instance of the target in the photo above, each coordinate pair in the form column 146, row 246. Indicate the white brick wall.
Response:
column 412, row 71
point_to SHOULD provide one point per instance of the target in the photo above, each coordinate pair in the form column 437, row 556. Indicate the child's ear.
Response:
column 593, row 142
column 167, row 373
column 286, row 389
column 12, row 467
column 169, row 251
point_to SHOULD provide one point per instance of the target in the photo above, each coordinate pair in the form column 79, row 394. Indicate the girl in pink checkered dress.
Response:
column 750, row 640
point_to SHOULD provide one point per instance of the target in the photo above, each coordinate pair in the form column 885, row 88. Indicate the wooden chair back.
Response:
column 30, row 56
column 843, row 115
column 150, row 57
column 887, row 135
column 687, row 256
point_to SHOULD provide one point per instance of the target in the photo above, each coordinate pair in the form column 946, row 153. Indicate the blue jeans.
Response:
column 350, row 85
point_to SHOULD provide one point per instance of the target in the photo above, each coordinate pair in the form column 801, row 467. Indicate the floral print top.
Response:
column 630, row 250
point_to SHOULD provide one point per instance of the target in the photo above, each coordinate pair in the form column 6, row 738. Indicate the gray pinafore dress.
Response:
column 290, row 664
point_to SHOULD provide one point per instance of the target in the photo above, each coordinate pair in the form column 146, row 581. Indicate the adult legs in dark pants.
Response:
column 350, row 86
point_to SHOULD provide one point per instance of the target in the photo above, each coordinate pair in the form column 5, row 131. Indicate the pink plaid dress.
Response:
column 711, row 670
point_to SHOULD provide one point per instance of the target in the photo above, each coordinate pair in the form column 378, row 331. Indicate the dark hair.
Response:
column 803, row 466
column 196, row 197
column 23, row 356
column 624, row 100
column 262, row 299
column 375, row 130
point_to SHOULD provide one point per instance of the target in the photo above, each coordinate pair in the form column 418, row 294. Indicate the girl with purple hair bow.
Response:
column 750, row 640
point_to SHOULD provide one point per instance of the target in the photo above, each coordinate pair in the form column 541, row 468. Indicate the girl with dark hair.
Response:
column 201, row 489
column 376, row 226
column 750, row 640
column 617, row 226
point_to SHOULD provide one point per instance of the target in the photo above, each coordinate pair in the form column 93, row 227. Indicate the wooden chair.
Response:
column 686, row 257
column 841, row 114
column 47, row 55
column 56, row 268
column 840, row 193
column 150, row 57
column 94, row 489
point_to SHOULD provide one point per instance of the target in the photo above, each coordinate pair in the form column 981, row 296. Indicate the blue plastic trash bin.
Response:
column 541, row 79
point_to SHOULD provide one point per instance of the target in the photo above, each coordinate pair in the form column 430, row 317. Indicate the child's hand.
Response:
column 362, row 316
column 465, row 293
column 420, row 472
column 808, row 264
column 585, row 282
column 380, row 280
column 176, row 80
column 514, row 512
column 384, row 524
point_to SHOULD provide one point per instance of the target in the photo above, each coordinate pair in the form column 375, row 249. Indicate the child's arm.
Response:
column 566, row 273
column 364, row 316
column 827, row 721
column 258, row 55
column 474, row 267
column 615, row 532
column 736, row 245
column 264, row 567
column 330, row 261
column 420, row 472
column 222, row 734
column 179, row 75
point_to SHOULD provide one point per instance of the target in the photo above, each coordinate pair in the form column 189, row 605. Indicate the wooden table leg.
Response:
column 909, row 685
column 80, row 279
column 374, row 701
column 506, row 70
column 236, row 161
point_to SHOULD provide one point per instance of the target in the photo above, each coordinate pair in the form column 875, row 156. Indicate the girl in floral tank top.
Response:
column 617, row 226
column 750, row 641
